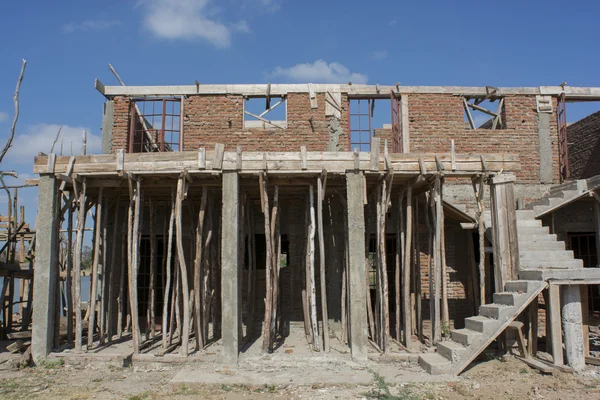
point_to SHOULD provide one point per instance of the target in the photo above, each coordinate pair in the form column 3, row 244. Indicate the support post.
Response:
column 46, row 268
column 553, row 322
column 504, row 224
column 230, row 274
column 356, row 245
column 572, row 325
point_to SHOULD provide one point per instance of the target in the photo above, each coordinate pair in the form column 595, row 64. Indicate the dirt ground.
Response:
column 493, row 379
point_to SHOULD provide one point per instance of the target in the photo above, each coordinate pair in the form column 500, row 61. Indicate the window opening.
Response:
column 484, row 112
column 265, row 112
column 155, row 125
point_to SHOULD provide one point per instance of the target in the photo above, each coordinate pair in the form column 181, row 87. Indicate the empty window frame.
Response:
column 584, row 248
column 484, row 112
column 156, row 125
column 360, row 124
column 265, row 112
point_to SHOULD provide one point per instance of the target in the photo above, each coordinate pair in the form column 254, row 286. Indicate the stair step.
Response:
column 520, row 286
column 434, row 364
column 538, row 209
column 494, row 311
column 548, row 245
column 533, row 230
column 536, row 237
column 465, row 336
column 569, row 194
column 505, row 298
column 545, row 255
column 525, row 214
column 558, row 264
column 528, row 222
column 481, row 324
column 451, row 350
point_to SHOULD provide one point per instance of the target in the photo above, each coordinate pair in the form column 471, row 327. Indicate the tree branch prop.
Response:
column 14, row 123
column 56, row 139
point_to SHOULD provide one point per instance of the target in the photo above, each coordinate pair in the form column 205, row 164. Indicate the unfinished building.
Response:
column 217, row 220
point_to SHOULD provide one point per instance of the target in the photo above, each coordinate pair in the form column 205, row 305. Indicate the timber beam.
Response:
column 407, row 165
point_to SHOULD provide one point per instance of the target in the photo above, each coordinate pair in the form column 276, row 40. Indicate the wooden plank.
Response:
column 143, row 163
column 585, row 313
column 218, row 158
column 553, row 322
column 540, row 366
column 374, row 154
column 168, row 267
column 592, row 361
column 201, row 158
column 199, row 273
column 267, row 339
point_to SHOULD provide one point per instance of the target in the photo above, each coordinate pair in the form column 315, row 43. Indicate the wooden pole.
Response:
column 103, row 273
column 398, row 271
column 134, row 224
column 69, row 274
column 481, row 231
column 311, row 276
column 251, row 273
column 322, row 266
column 267, row 340
column 445, row 311
column 121, row 304
column 168, row 269
column 417, row 278
column 385, row 310
column 436, row 205
column 305, row 275
column 199, row 273
column 151, row 310
column 276, row 262
column 113, row 269
column 406, row 309
column 77, row 265
column 185, row 337
column 370, row 316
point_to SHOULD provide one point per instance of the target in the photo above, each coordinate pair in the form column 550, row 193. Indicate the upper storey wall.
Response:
column 433, row 120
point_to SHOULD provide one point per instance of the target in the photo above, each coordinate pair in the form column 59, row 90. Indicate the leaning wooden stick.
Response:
column 322, row 265
column 168, row 269
column 185, row 336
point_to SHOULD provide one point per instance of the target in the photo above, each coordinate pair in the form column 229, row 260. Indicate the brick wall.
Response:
column 584, row 145
column 435, row 119
column 210, row 119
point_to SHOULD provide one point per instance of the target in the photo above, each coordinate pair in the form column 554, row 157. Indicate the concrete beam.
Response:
column 46, row 268
column 356, row 243
column 572, row 323
column 230, row 268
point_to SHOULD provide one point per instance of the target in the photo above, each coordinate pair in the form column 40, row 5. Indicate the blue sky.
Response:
column 154, row 42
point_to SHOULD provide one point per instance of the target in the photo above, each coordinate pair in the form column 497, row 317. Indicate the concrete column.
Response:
column 45, row 284
column 108, row 120
column 230, row 268
column 358, row 289
column 545, row 142
column 573, row 326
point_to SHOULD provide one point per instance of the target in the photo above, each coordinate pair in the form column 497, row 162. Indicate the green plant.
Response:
column 50, row 363
column 445, row 329
column 382, row 391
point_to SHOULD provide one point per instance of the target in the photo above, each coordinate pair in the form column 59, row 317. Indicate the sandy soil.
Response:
column 494, row 379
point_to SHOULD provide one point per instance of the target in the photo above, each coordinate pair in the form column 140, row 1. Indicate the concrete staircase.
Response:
column 454, row 355
column 562, row 195
column 540, row 255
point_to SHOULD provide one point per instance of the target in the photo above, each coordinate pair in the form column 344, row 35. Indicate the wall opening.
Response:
column 484, row 113
column 369, row 118
column 265, row 112
column 155, row 125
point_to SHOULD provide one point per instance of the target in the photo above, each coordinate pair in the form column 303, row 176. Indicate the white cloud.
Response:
column 379, row 55
column 89, row 25
column 188, row 19
column 319, row 72
column 3, row 116
column 270, row 5
column 39, row 137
